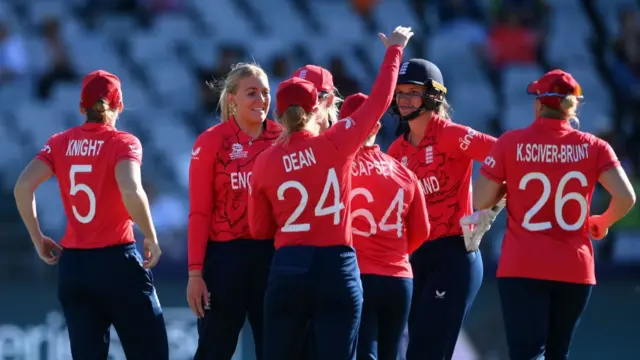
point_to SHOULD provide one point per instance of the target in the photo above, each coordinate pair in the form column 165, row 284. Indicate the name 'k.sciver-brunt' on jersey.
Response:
column 443, row 162
column 222, row 159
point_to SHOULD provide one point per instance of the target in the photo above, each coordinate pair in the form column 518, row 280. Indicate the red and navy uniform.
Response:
column 546, row 271
column 300, row 193
column 101, row 278
column 446, row 276
column 234, row 265
column 390, row 221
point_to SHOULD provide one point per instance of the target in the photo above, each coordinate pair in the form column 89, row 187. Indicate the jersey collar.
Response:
column 552, row 124
column 242, row 136
column 95, row 126
column 301, row 134
column 370, row 147
column 433, row 122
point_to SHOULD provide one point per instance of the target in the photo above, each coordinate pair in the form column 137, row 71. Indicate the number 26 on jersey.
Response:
column 560, row 199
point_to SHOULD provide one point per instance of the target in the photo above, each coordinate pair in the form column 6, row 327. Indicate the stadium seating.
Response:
column 160, row 85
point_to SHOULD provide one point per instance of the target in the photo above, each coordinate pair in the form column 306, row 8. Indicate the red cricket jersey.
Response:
column 83, row 159
column 300, row 188
column 221, row 166
column 443, row 162
column 388, row 213
column 550, row 170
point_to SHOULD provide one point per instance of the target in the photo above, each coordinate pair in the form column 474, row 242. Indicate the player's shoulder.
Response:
column 396, row 145
column 272, row 129
column 125, row 137
column 511, row 137
column 583, row 136
column 60, row 136
column 266, row 157
column 213, row 133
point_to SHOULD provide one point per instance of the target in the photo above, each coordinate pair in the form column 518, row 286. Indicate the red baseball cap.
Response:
column 318, row 76
column 101, row 85
column 296, row 91
column 554, row 86
column 351, row 104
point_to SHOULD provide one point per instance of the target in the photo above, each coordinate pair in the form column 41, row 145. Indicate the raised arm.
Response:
column 201, row 191
column 348, row 134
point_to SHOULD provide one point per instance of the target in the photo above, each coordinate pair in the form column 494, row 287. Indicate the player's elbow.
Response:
column 21, row 189
column 481, row 201
column 627, row 199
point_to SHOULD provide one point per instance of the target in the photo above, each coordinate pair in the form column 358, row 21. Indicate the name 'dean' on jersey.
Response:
column 443, row 163
column 551, row 171
column 221, row 167
column 83, row 160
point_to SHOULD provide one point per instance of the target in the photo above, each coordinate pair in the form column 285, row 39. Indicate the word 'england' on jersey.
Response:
column 84, row 147
column 299, row 160
column 551, row 153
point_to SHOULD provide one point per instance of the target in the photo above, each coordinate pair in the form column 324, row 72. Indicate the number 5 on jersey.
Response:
column 559, row 201
column 320, row 210
column 79, row 187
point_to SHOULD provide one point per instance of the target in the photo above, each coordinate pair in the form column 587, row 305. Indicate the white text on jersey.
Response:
column 549, row 153
column 240, row 180
column 367, row 168
column 84, row 147
column 299, row 160
column 430, row 184
column 466, row 140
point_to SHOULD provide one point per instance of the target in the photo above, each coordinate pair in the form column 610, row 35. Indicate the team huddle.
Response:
column 330, row 247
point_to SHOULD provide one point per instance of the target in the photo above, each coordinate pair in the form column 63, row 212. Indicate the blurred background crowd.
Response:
column 168, row 52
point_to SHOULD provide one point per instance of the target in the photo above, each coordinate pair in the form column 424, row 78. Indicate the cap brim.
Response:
column 532, row 89
column 410, row 82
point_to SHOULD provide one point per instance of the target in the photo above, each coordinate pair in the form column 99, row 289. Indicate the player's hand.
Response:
column 474, row 226
column 48, row 250
column 597, row 228
column 399, row 36
column 198, row 296
column 152, row 253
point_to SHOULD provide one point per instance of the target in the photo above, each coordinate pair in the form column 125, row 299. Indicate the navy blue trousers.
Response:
column 317, row 289
column 446, row 279
column 236, row 275
column 98, row 288
column 385, row 312
column 541, row 316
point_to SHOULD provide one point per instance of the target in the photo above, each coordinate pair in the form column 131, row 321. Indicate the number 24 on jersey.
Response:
column 332, row 185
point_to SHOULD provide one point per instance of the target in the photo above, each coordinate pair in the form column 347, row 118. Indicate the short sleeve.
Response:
column 46, row 153
column 128, row 148
column 466, row 141
column 607, row 158
column 494, row 165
